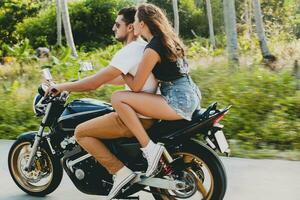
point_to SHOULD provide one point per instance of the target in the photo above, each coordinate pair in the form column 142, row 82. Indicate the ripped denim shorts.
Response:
column 182, row 95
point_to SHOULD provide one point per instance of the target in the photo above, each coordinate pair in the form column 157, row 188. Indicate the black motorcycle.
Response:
column 187, row 169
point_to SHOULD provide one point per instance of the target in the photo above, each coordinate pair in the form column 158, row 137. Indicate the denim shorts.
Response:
column 182, row 95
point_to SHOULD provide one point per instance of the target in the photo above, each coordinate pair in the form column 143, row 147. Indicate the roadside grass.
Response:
column 238, row 150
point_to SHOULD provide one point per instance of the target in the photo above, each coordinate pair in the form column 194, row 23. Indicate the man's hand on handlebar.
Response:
column 55, row 90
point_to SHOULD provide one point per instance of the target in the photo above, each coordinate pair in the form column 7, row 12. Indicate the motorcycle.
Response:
column 188, row 168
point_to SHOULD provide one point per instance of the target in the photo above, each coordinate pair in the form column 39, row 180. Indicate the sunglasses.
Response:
column 117, row 24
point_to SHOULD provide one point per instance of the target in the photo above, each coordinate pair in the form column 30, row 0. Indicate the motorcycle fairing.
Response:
column 79, row 111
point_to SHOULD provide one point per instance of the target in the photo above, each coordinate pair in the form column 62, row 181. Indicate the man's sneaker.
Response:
column 121, row 178
column 153, row 155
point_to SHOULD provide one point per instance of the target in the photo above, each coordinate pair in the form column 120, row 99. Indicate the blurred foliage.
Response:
column 266, row 109
column 21, row 51
column 91, row 23
column 40, row 30
column 296, row 26
column 13, row 12
column 64, row 66
column 192, row 16
column 92, row 20
column 280, row 17
column 201, row 47
column 16, row 115
column 17, row 92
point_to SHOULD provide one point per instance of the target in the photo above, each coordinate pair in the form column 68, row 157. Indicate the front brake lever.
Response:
column 53, row 90
column 49, row 98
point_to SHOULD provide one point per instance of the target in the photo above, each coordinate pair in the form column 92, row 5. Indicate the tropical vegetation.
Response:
column 265, row 95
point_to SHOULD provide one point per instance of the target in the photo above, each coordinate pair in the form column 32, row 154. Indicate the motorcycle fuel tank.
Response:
column 81, row 110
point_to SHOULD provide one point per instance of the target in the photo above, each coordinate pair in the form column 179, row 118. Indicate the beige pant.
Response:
column 108, row 126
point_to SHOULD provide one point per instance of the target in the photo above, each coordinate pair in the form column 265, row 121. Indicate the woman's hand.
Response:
column 55, row 89
column 150, row 59
column 129, row 80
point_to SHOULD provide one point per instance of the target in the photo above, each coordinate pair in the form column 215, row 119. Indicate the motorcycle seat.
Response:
column 163, row 127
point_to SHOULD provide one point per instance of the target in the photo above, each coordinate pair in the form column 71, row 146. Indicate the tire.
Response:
column 47, row 166
column 215, row 168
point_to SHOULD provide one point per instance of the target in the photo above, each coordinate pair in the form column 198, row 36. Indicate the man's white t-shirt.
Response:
column 127, row 60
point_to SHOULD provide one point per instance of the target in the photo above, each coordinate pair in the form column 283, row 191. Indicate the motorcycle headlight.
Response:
column 38, row 108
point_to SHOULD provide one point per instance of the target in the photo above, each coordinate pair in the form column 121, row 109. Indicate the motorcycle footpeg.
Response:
column 139, row 176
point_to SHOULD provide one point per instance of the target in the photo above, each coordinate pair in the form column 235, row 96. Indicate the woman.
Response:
column 164, row 57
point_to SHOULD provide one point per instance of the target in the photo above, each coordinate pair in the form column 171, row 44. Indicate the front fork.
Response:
column 37, row 139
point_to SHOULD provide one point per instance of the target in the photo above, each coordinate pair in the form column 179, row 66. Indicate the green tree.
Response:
column 91, row 21
column 193, row 16
column 13, row 12
column 280, row 16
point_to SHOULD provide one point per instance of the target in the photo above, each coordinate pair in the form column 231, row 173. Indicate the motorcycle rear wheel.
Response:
column 46, row 174
column 207, row 180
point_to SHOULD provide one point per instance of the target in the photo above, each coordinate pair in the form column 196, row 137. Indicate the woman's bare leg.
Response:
column 127, row 104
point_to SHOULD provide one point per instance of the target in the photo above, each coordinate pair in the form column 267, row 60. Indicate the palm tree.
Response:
column 58, row 21
column 210, row 23
column 176, row 15
column 261, row 32
column 67, row 27
column 140, row 1
column 230, row 29
column 248, row 18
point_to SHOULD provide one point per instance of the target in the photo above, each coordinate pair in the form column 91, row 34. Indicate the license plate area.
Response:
column 221, row 142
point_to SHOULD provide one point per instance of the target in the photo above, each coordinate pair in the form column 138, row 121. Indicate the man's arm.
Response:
column 117, row 81
column 92, row 82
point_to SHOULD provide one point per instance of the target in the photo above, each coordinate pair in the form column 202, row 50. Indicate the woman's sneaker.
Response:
column 153, row 154
column 121, row 178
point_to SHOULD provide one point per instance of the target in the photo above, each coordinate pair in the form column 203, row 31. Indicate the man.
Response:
column 110, row 125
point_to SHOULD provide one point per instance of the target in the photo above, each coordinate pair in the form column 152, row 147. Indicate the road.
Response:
column 248, row 179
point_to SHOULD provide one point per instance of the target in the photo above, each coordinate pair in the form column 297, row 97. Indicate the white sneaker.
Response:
column 152, row 154
column 121, row 178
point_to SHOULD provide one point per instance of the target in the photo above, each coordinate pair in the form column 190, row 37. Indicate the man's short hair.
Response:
column 128, row 14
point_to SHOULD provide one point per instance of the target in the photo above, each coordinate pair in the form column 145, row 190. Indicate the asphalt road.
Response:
column 248, row 179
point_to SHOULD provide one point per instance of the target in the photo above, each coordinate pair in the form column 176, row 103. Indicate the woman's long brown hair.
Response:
column 159, row 25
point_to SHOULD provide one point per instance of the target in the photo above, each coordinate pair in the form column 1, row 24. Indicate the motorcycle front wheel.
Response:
column 43, row 178
column 204, row 175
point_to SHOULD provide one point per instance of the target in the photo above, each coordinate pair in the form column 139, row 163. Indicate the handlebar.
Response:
column 44, row 86
column 62, row 97
column 50, row 97
column 53, row 90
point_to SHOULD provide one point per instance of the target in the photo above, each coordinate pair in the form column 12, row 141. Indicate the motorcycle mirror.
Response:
column 86, row 66
column 47, row 74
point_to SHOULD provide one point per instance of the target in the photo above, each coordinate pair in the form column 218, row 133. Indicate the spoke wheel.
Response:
column 39, row 178
column 204, row 177
column 45, row 175
column 196, row 187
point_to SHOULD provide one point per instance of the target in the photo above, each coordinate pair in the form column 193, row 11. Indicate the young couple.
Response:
column 142, row 67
